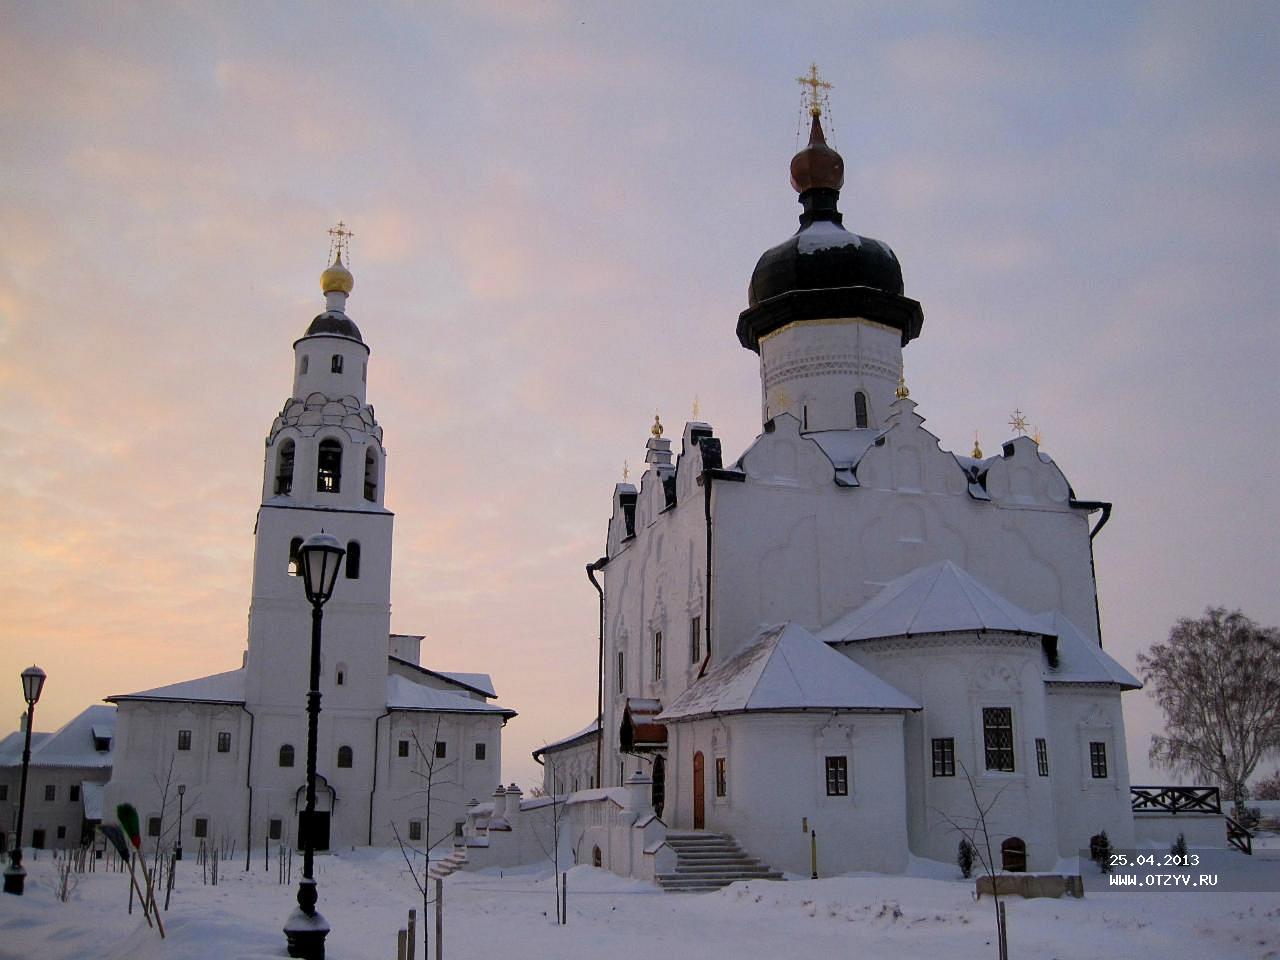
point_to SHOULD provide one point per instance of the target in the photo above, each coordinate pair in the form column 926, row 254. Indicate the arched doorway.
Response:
column 1013, row 855
column 659, row 784
column 699, row 793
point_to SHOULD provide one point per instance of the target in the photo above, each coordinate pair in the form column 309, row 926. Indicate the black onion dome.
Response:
column 334, row 324
column 823, row 270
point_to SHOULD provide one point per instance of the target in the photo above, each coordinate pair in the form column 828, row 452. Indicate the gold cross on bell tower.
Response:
column 340, row 241
column 816, row 95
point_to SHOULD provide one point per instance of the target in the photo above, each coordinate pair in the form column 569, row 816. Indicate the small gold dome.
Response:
column 337, row 278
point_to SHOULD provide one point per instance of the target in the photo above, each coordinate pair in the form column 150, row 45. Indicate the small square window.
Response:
column 1098, row 759
column 184, row 739
column 153, row 826
column 224, row 742
column 480, row 751
column 722, row 778
column 62, row 833
column 50, row 792
column 1042, row 757
column 944, row 756
column 73, row 794
column 201, row 827
column 274, row 829
column 837, row 776
column 415, row 829
column 402, row 748
column 441, row 749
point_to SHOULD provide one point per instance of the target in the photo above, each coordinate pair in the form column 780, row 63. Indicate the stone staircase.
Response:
column 709, row 861
column 450, row 864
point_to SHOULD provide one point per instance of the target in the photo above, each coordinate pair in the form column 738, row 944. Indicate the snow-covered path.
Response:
column 365, row 896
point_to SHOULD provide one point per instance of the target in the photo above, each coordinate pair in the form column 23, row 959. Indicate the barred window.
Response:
column 1098, row 759
column 202, row 827
column 415, row 829
column 50, row 792
column 722, row 778
column 286, row 755
column 837, row 776
column 441, row 749
column 944, row 756
column 480, row 751
column 274, row 829
column 402, row 748
column 1042, row 757
column 695, row 639
column 657, row 655
column 345, row 756
column 184, row 739
column 224, row 742
column 997, row 736
column 153, row 826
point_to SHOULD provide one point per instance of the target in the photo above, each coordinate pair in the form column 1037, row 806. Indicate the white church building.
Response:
column 237, row 740
column 831, row 636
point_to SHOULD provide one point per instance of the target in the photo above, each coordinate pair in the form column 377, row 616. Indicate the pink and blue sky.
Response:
column 557, row 207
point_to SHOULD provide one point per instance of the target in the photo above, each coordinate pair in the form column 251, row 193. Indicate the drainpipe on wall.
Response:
column 374, row 788
column 248, row 783
column 1102, row 522
column 591, row 575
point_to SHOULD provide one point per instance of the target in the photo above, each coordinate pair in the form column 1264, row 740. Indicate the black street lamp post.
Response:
column 320, row 558
column 15, row 875
column 177, row 850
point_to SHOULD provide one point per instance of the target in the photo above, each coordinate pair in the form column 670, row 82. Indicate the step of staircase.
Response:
column 450, row 864
column 709, row 861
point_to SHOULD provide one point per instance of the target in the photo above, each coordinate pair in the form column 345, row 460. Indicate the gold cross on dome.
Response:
column 626, row 471
column 1019, row 422
column 340, row 241
column 697, row 407
column 817, row 91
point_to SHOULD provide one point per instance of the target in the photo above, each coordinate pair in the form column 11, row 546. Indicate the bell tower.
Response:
column 323, row 471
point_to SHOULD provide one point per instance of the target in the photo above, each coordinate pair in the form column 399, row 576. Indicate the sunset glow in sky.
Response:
column 557, row 207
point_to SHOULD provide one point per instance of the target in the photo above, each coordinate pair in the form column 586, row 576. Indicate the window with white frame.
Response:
column 837, row 776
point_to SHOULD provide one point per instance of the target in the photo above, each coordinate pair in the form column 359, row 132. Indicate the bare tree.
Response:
column 552, row 851
column 432, row 766
column 1217, row 679
column 974, row 831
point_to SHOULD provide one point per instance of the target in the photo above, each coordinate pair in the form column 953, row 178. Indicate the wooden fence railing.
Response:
column 1175, row 800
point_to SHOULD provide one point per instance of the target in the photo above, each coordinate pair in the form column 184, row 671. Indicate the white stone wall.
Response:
column 569, row 769
column 60, row 813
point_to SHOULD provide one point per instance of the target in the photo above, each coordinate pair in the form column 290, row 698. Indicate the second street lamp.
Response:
column 15, row 875
column 320, row 558
column 177, row 850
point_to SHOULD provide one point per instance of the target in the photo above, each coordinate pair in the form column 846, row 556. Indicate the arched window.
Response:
column 329, row 467
column 860, row 409
column 596, row 859
column 286, row 755
column 340, row 675
column 1013, row 855
column 284, row 468
column 295, row 549
column 335, row 363
column 370, row 475
column 344, row 756
column 353, row 559
column 304, row 364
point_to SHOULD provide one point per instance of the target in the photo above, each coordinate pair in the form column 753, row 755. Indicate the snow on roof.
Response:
column 481, row 682
column 404, row 694
column 71, row 745
column 845, row 449
column 786, row 668
column 218, row 688
column 91, row 795
column 1080, row 660
column 936, row 598
column 589, row 730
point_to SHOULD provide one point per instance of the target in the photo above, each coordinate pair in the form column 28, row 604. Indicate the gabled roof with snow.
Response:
column 936, row 598
column 589, row 732
column 404, row 694
column 1080, row 660
column 480, row 683
column 218, row 688
column 71, row 745
column 786, row 669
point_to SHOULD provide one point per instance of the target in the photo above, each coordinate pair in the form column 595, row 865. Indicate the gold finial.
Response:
column 1019, row 422
column 697, row 407
column 977, row 450
column 782, row 398
column 902, row 392
column 340, row 242
column 1036, row 435
column 817, row 92
column 626, row 471
column 656, row 429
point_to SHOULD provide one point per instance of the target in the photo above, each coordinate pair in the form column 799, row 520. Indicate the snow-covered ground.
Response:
column 365, row 895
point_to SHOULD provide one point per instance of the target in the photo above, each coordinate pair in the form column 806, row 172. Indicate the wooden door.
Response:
column 699, row 793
